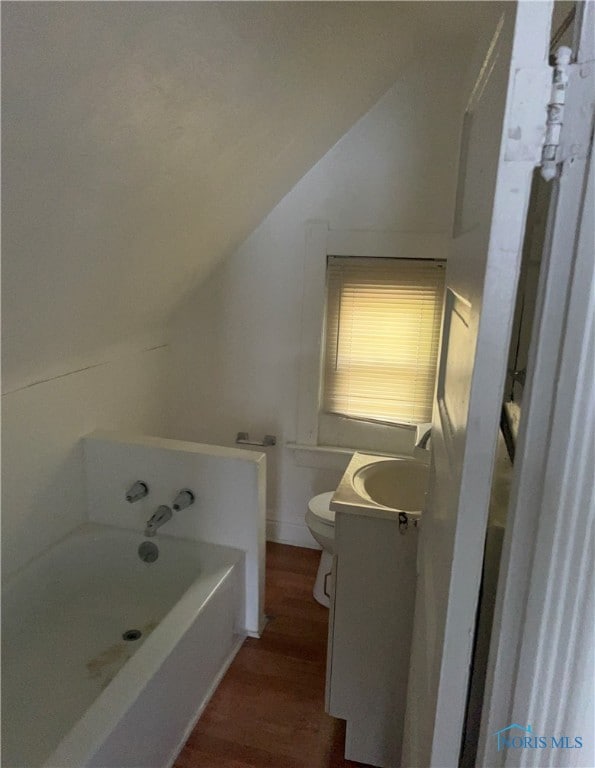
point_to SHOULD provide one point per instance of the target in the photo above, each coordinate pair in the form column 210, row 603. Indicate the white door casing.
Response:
column 541, row 662
column 501, row 142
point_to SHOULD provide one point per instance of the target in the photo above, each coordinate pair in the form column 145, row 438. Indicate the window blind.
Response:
column 382, row 333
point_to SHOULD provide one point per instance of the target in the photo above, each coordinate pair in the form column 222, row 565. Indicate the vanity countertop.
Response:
column 348, row 500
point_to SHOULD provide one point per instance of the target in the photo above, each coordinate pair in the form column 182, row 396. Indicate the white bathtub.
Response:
column 74, row 693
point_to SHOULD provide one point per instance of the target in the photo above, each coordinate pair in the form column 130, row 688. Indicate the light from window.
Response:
column 382, row 335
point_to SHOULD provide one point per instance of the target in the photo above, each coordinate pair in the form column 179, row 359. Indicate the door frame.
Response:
column 514, row 85
column 541, row 653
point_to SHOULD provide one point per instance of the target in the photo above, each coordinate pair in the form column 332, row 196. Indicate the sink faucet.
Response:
column 423, row 440
column 160, row 517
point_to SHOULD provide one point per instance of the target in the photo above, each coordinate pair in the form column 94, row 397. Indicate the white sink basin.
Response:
column 399, row 484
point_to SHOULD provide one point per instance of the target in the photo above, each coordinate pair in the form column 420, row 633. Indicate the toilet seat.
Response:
column 319, row 507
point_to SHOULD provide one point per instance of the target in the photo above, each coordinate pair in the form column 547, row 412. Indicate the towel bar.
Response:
column 243, row 438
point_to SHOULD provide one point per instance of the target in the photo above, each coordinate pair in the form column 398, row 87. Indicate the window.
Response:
column 382, row 333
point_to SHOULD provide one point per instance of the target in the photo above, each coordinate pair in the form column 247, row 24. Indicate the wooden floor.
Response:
column 268, row 711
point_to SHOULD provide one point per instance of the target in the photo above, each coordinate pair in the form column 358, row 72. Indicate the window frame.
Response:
column 321, row 242
column 403, row 277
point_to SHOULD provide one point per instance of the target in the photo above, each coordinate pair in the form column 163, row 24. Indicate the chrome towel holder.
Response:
column 243, row 438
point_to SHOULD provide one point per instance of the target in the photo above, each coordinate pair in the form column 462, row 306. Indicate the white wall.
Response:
column 43, row 496
column 125, row 179
column 229, row 491
column 236, row 343
column 142, row 142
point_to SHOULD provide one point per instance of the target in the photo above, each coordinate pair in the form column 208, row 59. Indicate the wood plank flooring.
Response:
column 268, row 711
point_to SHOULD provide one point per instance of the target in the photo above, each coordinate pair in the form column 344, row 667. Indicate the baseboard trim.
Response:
column 295, row 534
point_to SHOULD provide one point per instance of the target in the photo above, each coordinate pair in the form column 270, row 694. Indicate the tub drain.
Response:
column 148, row 552
column 131, row 634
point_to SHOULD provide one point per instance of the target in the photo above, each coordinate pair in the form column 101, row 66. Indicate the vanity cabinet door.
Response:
column 370, row 634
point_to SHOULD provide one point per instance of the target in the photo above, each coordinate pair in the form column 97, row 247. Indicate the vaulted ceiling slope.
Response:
column 143, row 141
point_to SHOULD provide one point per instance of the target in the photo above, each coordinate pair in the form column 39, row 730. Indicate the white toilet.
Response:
column 321, row 522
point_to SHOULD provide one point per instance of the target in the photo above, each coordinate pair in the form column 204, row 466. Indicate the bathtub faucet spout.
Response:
column 160, row 517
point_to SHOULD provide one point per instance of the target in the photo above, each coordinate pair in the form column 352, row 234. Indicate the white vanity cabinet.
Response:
column 370, row 626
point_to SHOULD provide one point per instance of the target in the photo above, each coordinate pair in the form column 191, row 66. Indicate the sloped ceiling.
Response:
column 143, row 141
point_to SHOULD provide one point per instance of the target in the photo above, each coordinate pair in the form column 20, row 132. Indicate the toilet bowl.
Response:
column 320, row 519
